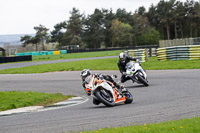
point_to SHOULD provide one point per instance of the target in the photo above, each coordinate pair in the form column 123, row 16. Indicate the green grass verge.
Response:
column 103, row 64
column 76, row 55
column 154, row 64
column 178, row 126
column 13, row 99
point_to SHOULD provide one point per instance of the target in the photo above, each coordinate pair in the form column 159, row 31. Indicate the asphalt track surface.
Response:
column 172, row 95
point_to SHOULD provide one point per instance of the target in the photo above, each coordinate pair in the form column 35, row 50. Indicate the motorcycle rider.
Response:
column 86, row 72
column 123, row 60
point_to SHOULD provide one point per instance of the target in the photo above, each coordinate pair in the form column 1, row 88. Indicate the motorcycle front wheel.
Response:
column 105, row 98
column 142, row 80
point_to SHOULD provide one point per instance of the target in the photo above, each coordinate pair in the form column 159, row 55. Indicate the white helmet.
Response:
column 85, row 73
column 122, row 57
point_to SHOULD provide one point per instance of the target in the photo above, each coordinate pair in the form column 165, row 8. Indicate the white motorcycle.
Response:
column 135, row 72
column 105, row 92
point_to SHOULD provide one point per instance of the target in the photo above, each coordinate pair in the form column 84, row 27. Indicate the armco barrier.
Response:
column 110, row 49
column 189, row 52
column 15, row 58
column 138, row 53
column 56, row 52
column 161, row 54
column 194, row 52
column 179, row 42
column 63, row 51
column 43, row 53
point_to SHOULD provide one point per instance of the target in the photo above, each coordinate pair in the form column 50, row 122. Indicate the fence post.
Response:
column 150, row 52
column 146, row 55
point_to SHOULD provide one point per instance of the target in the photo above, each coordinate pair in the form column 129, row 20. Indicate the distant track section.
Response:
column 24, row 64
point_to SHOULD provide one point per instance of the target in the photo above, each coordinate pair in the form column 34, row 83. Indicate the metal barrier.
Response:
column 139, row 54
column 189, row 52
column 110, row 49
column 179, row 42
column 35, row 53
column 15, row 59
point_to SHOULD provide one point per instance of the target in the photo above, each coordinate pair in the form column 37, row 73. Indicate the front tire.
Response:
column 142, row 80
column 105, row 99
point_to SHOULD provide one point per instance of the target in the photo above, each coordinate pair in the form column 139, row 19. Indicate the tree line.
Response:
column 103, row 28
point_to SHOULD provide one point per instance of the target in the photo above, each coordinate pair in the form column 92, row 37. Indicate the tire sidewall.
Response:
column 128, row 99
column 142, row 80
column 102, row 100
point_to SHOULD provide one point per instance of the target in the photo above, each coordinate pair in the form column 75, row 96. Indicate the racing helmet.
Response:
column 122, row 57
column 85, row 73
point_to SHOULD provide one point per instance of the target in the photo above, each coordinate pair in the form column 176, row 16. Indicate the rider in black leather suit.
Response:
column 123, row 60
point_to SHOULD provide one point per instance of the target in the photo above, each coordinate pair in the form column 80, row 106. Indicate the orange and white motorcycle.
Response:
column 105, row 92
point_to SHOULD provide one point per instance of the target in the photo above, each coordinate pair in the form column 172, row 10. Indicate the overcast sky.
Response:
column 20, row 16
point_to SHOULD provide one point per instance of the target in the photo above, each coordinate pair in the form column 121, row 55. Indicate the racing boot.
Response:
column 122, row 89
column 119, row 87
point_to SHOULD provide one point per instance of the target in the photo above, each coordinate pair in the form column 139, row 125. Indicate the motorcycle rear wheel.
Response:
column 105, row 99
column 129, row 97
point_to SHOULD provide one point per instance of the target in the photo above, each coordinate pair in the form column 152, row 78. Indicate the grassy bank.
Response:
column 13, row 99
column 103, row 64
column 154, row 64
column 179, row 126
column 76, row 55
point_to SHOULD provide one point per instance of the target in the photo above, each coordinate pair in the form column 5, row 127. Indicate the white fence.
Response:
column 179, row 42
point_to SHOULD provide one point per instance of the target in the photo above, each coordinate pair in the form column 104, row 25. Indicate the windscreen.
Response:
column 129, row 65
